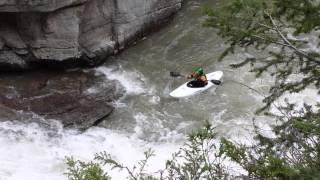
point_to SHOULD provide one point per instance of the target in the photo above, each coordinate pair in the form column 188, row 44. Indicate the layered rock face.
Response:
column 74, row 32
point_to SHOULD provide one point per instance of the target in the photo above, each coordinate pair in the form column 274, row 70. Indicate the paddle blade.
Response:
column 216, row 82
column 175, row 74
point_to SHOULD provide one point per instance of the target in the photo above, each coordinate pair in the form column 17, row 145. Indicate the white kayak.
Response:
column 185, row 91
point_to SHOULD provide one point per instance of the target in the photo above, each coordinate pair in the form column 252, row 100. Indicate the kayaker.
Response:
column 199, row 78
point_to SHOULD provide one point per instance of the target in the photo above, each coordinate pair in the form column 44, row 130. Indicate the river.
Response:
column 146, row 117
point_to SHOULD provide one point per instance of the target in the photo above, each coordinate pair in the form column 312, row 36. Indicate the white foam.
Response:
column 132, row 81
column 92, row 90
column 154, row 100
column 141, row 119
column 311, row 39
column 33, row 152
column 308, row 96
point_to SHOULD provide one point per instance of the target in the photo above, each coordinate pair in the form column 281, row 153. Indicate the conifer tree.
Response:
column 278, row 30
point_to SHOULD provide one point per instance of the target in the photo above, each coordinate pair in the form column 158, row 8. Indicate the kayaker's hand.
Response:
column 188, row 76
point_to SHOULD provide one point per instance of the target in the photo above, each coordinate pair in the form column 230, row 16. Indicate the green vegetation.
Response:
column 201, row 157
column 267, row 26
column 79, row 170
column 198, row 158
column 275, row 29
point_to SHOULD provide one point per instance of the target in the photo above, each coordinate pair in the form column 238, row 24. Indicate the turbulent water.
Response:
column 145, row 117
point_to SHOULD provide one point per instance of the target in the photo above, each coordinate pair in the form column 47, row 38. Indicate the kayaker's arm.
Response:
column 189, row 76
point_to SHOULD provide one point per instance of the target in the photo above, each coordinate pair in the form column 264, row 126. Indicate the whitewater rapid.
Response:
column 32, row 151
column 37, row 150
column 146, row 117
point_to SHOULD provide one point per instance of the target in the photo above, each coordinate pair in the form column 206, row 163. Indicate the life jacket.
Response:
column 200, row 77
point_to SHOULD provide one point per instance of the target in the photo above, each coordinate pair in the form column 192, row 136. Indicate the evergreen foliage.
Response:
column 199, row 158
column 268, row 26
column 271, row 27
column 79, row 170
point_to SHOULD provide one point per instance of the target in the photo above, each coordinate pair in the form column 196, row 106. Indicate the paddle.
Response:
column 177, row 74
column 216, row 82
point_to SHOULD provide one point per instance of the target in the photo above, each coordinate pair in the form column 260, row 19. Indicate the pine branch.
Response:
column 287, row 42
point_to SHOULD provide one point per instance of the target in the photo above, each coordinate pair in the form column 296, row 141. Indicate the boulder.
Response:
column 78, row 99
column 68, row 33
column 11, row 61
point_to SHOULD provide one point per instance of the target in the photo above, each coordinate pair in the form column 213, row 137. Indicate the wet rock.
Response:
column 8, row 114
column 76, row 98
column 77, row 32
column 36, row 5
column 11, row 61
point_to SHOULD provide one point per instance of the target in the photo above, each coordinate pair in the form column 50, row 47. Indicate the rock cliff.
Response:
column 74, row 32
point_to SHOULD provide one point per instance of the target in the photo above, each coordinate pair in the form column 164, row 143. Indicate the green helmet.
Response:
column 200, row 70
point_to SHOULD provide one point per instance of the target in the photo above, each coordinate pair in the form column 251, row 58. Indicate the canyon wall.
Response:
column 66, row 33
